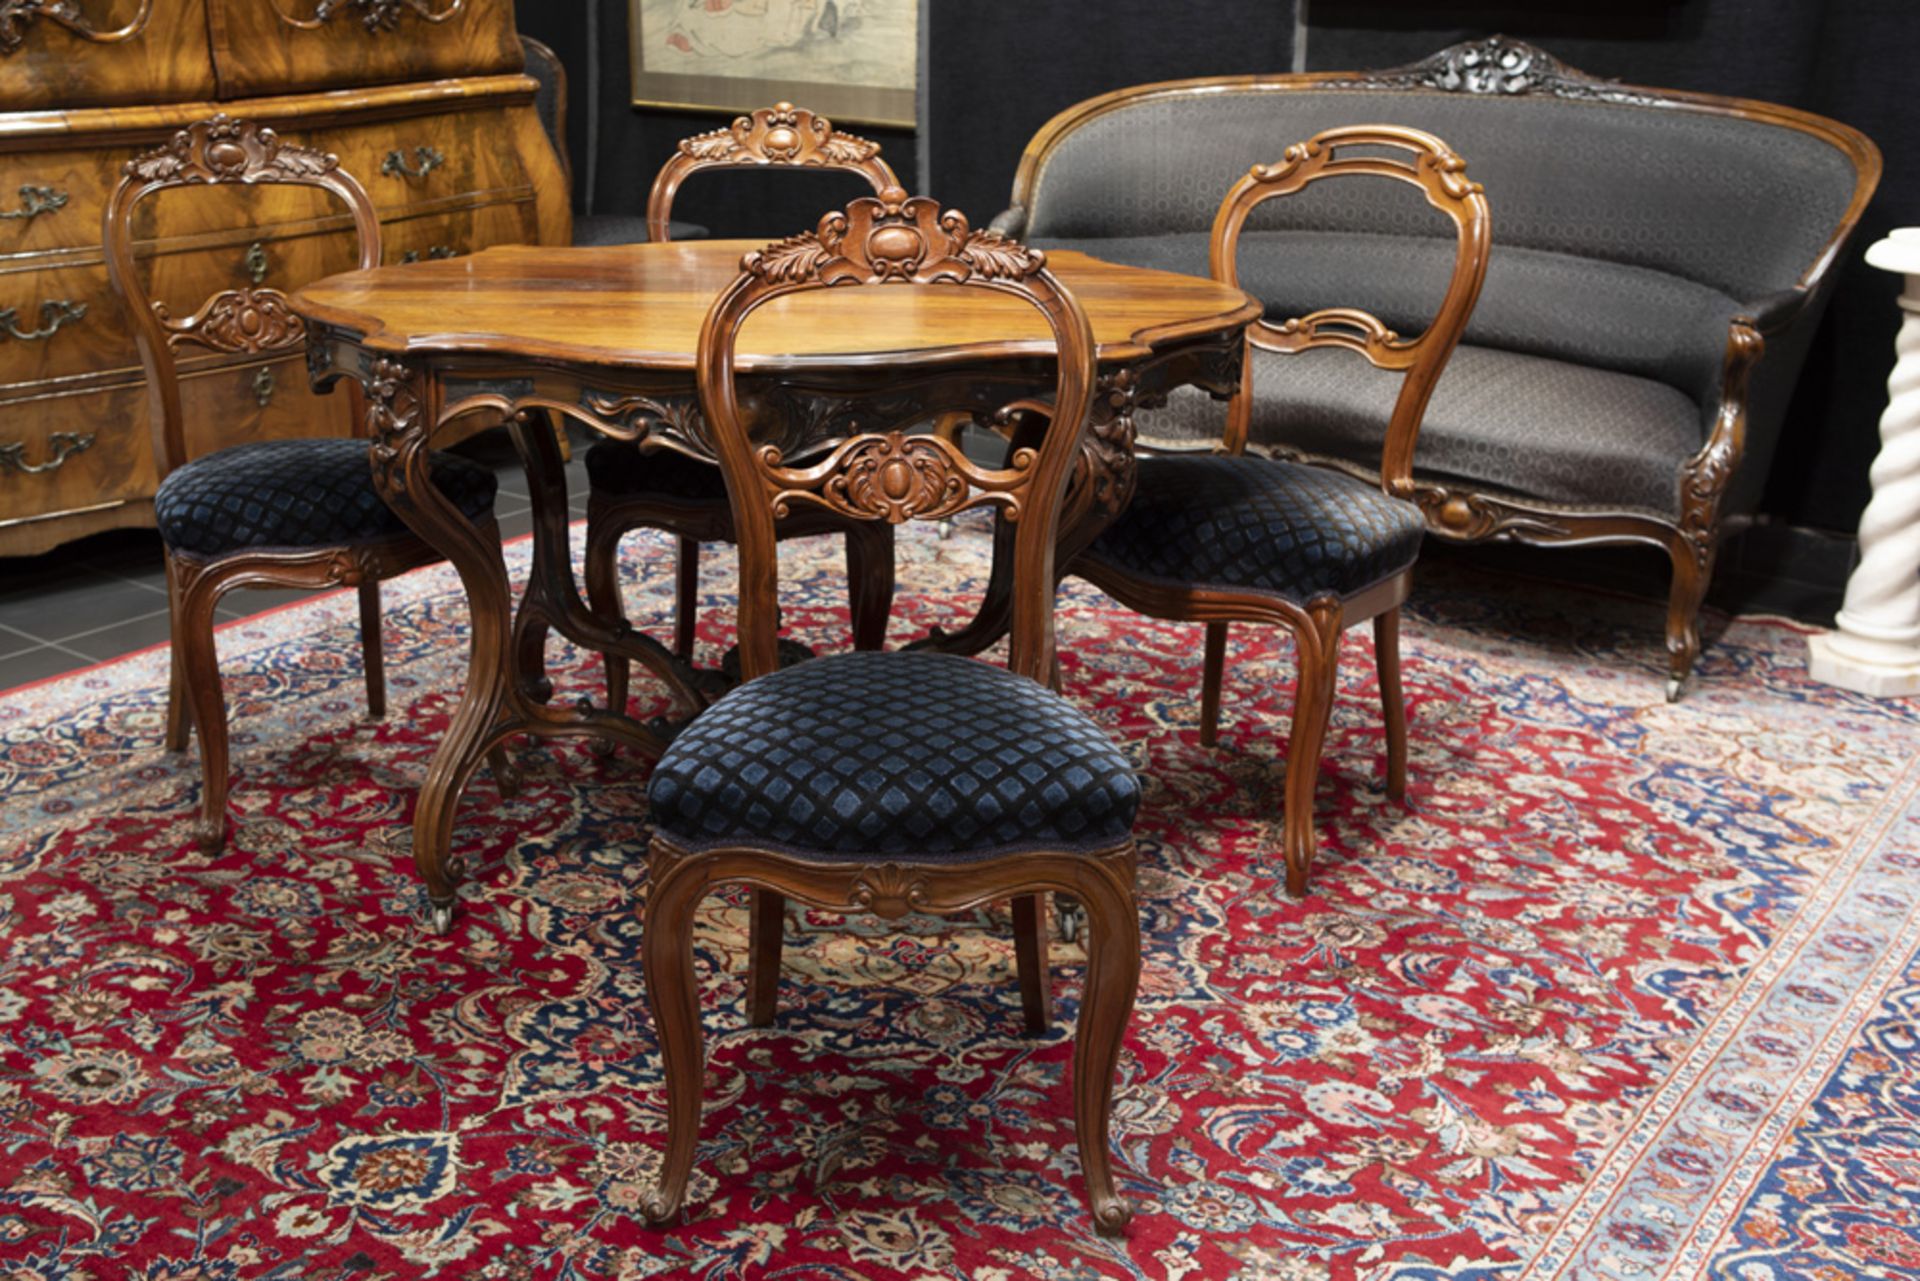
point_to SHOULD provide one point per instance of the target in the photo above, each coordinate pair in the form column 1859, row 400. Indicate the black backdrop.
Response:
column 999, row 68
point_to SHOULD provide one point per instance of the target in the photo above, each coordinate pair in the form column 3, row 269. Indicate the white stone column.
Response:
column 1876, row 647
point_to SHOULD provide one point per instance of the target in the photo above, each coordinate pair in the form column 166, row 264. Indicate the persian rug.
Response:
column 1623, row 990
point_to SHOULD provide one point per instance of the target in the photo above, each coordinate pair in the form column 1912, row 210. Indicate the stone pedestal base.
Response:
column 1836, row 659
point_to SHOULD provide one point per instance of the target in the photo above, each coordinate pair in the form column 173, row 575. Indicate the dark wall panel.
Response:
column 999, row 70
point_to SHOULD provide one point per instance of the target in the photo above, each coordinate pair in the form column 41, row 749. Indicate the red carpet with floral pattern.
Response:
column 1623, row 990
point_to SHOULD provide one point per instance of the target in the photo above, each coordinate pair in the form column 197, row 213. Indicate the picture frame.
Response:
column 855, row 61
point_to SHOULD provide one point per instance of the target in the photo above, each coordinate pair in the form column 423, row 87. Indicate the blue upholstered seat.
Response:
column 295, row 493
column 1245, row 523
column 865, row 754
column 617, row 467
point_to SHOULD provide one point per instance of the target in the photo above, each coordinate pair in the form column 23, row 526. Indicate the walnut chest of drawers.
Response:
column 422, row 100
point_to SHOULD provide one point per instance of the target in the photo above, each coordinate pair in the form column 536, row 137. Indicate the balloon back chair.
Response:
column 1222, row 538
column 895, row 782
column 299, row 513
column 629, row 488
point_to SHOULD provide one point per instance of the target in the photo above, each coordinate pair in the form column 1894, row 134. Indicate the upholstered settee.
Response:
column 1659, row 263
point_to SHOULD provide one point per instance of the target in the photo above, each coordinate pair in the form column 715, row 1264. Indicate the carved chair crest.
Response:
column 897, row 240
column 781, row 135
column 1389, row 151
column 249, row 320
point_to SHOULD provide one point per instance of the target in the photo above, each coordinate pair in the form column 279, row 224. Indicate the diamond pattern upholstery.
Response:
column 617, row 467
column 295, row 493
column 867, row 754
column 1248, row 523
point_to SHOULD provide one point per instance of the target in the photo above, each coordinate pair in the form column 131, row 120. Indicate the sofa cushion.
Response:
column 1498, row 421
column 929, row 756
column 1255, row 524
column 1588, row 310
column 296, row 493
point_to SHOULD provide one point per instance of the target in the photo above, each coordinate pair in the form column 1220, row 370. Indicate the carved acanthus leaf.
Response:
column 1497, row 65
column 238, row 320
column 782, row 134
column 894, row 237
column 227, row 150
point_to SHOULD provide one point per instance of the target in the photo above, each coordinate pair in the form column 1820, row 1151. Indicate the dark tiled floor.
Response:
column 106, row 596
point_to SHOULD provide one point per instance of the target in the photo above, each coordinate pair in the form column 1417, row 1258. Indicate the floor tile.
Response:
column 58, row 604
column 37, row 664
column 122, row 638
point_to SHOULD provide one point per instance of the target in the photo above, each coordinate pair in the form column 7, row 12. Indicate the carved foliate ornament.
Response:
column 894, row 237
column 890, row 890
column 1499, row 66
column 227, row 150
column 782, row 134
column 238, row 320
column 896, row 478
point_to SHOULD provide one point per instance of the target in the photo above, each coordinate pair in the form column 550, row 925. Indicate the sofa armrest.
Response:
column 1010, row 222
column 1777, row 311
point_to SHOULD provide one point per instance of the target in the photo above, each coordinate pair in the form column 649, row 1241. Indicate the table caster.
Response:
column 440, row 919
column 1069, row 916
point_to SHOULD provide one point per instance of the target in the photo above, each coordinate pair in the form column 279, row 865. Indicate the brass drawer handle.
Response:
column 425, row 161
column 435, row 254
column 256, row 261
column 263, row 386
column 375, row 15
column 65, row 444
column 17, row 15
column 35, row 201
column 54, row 313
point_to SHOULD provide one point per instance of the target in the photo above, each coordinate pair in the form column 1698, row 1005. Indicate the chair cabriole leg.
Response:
column 602, row 575
column 1106, row 1007
column 1692, row 572
column 870, row 582
column 766, row 932
column 674, row 890
column 1393, row 704
column 1030, row 962
column 1212, row 676
column 1318, row 646
column 179, row 710
column 200, row 592
column 372, row 653
column 686, row 607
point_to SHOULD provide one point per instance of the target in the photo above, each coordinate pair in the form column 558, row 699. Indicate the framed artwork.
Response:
column 851, row 60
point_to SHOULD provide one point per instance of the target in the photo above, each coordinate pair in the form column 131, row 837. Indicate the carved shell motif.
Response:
column 227, row 150
column 782, row 134
column 894, row 237
column 889, row 891
column 238, row 320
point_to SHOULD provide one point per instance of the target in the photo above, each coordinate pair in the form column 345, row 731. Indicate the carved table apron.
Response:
column 605, row 337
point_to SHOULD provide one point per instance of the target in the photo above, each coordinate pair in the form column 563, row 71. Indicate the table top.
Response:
column 641, row 306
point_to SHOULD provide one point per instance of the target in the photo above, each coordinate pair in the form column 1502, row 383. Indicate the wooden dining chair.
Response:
column 1223, row 538
column 904, row 781
column 630, row 488
column 299, row 513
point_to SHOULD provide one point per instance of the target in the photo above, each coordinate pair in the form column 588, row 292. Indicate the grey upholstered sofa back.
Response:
column 1743, row 207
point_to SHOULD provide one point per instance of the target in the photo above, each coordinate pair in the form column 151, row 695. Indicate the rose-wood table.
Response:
column 606, row 337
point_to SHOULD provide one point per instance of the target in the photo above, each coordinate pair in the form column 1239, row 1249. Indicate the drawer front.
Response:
column 54, row 199
column 292, row 46
column 59, row 322
column 431, row 159
column 450, row 235
column 100, row 53
column 68, row 453
column 272, row 400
